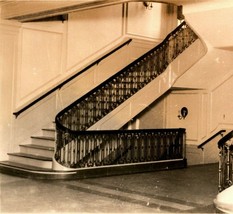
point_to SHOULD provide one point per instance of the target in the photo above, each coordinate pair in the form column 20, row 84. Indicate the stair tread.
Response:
column 23, row 166
column 49, row 129
column 43, row 138
column 49, row 148
column 37, row 157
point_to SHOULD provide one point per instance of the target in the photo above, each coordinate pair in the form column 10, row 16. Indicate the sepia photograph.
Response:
column 116, row 106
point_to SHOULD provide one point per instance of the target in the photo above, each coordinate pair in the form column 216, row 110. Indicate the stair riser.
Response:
column 42, row 142
column 40, row 152
column 48, row 133
column 31, row 162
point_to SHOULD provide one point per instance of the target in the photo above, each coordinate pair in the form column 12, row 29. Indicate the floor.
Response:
column 189, row 190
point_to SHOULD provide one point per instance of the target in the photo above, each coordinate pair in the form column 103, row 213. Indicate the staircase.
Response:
column 38, row 153
column 80, row 146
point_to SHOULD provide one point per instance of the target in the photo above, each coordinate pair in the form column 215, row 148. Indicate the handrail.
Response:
column 211, row 138
column 227, row 137
column 59, row 86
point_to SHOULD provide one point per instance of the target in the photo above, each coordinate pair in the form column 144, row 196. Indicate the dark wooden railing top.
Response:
column 209, row 139
column 59, row 86
column 227, row 137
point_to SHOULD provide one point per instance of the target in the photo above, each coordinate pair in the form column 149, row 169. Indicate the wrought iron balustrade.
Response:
column 100, row 101
column 93, row 106
column 101, row 148
column 226, row 161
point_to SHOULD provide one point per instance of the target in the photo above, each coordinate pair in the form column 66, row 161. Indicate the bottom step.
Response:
column 23, row 170
column 31, row 160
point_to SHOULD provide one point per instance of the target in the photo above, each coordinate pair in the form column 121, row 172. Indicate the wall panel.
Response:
column 91, row 31
column 151, row 23
column 178, row 100
column 221, row 105
column 41, row 59
column 8, row 53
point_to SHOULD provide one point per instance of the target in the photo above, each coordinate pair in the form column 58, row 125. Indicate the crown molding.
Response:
column 25, row 11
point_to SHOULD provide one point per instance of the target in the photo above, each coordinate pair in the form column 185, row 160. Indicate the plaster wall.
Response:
column 8, row 62
column 37, row 56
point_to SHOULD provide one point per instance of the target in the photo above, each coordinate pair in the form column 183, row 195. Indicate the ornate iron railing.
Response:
column 100, row 148
column 225, row 161
column 100, row 101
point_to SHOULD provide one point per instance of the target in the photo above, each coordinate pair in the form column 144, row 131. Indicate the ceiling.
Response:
column 36, row 9
column 28, row 10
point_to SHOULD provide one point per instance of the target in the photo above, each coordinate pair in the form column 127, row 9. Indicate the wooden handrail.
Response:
column 227, row 137
column 59, row 86
column 211, row 138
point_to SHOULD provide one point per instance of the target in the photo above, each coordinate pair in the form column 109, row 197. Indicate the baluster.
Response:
column 105, row 151
column 149, row 71
column 109, row 142
column 82, row 147
column 231, row 162
column 68, row 156
column 98, row 106
column 129, row 148
column 94, row 150
column 134, row 145
column 99, row 155
column 170, row 145
column 78, row 151
column 146, row 140
column 228, row 153
column 131, row 80
column 175, row 145
column 86, row 119
column 220, row 171
column 137, row 148
column 127, row 85
column 154, row 147
column 90, row 112
column 114, row 94
column 111, row 149
column 142, row 147
column 123, row 148
column 114, row 147
column 71, row 154
column 87, row 150
column 154, row 72
column 120, row 144
column 102, row 146
column 160, row 146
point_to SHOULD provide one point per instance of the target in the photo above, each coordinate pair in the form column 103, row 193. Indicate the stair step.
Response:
column 24, row 166
column 49, row 132
column 31, row 160
column 27, row 171
column 43, row 141
column 37, row 150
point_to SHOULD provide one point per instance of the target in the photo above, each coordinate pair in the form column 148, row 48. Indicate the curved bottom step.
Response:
column 22, row 170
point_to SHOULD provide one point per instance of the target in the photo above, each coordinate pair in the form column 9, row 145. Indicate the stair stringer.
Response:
column 152, row 91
